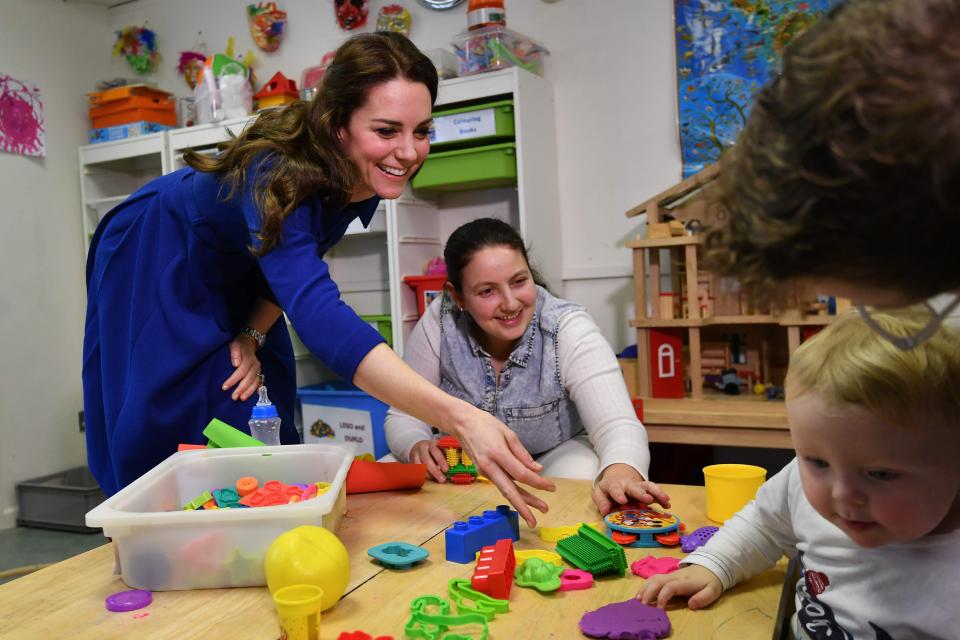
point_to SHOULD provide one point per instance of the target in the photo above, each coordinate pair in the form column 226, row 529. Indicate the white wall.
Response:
column 65, row 48
column 612, row 65
column 613, row 68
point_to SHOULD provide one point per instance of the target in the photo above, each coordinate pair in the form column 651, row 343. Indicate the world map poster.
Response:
column 726, row 51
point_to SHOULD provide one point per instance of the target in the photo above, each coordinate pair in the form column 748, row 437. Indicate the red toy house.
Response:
column 493, row 574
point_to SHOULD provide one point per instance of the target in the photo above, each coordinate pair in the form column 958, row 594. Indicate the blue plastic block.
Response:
column 398, row 555
column 465, row 539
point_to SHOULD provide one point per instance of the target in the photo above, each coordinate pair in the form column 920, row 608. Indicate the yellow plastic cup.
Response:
column 298, row 607
column 730, row 487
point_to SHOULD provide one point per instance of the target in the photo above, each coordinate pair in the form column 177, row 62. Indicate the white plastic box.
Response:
column 160, row 547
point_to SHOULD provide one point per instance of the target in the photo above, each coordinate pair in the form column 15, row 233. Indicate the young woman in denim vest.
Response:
column 503, row 343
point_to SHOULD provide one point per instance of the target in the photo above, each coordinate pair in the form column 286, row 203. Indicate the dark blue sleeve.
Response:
column 300, row 281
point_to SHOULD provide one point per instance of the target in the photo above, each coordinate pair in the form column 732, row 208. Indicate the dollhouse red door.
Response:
column 666, row 363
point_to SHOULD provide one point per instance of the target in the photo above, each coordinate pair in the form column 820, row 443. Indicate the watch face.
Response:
column 440, row 5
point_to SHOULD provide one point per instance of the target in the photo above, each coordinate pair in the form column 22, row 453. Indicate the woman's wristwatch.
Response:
column 258, row 337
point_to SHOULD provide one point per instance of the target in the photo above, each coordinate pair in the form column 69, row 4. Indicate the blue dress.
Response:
column 170, row 282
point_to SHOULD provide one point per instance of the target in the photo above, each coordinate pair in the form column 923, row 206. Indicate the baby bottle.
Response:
column 264, row 420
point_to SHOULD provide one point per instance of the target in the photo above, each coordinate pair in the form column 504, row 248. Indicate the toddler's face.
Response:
column 878, row 480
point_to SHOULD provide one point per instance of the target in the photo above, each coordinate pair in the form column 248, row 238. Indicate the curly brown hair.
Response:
column 296, row 149
column 849, row 164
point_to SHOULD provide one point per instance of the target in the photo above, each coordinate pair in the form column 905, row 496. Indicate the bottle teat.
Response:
column 263, row 408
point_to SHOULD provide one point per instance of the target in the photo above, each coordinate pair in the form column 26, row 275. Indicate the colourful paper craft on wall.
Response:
column 266, row 25
column 394, row 17
column 191, row 64
column 21, row 118
column 351, row 14
column 139, row 46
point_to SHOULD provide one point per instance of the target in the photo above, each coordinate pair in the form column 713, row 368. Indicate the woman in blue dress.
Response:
column 187, row 279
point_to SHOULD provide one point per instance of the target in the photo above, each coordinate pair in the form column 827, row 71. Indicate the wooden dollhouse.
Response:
column 698, row 333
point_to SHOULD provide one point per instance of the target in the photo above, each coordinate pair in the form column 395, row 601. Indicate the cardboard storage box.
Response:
column 161, row 547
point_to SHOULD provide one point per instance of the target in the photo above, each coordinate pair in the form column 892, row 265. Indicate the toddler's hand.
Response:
column 620, row 484
column 246, row 375
column 695, row 581
column 427, row 452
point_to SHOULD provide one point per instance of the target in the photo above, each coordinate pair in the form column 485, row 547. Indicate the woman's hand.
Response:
column 246, row 375
column 499, row 455
column 692, row 580
column 620, row 484
column 428, row 453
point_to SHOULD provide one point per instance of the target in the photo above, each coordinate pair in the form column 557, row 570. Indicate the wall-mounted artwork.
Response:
column 726, row 51
column 21, row 117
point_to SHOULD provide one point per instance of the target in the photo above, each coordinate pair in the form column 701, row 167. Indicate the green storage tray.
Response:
column 473, row 168
column 481, row 124
column 383, row 324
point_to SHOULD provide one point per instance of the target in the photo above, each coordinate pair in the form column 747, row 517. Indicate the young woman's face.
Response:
column 877, row 480
column 388, row 137
column 500, row 296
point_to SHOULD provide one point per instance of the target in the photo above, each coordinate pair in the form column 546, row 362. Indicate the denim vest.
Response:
column 531, row 398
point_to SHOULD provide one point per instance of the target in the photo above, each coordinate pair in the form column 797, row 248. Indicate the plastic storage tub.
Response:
column 161, row 547
column 474, row 168
column 383, row 324
column 426, row 288
column 476, row 125
column 496, row 47
column 59, row 500
column 337, row 411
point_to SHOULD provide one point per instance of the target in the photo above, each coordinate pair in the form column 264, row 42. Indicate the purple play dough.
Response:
column 697, row 539
column 627, row 620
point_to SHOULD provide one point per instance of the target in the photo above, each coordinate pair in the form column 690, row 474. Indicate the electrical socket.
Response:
column 80, row 421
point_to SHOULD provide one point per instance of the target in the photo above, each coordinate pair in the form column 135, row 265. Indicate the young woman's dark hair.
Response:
column 479, row 234
column 297, row 148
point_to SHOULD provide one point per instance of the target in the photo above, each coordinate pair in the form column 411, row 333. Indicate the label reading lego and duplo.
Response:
column 335, row 424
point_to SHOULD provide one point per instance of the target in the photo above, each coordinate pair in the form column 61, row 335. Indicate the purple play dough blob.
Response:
column 697, row 539
column 627, row 620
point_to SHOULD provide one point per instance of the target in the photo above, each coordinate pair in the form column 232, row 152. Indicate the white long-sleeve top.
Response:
column 905, row 591
column 590, row 374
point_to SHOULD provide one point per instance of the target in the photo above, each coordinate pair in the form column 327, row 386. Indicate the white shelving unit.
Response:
column 111, row 171
column 369, row 264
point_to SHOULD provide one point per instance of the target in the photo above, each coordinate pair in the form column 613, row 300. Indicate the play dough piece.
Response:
column 697, row 539
column 652, row 565
column 628, row 620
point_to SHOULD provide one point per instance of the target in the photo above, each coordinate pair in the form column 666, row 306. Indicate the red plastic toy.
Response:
column 493, row 574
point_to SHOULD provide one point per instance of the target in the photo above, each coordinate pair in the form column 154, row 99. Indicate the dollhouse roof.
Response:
column 680, row 193
column 278, row 85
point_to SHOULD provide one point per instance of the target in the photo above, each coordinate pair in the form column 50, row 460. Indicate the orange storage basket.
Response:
column 126, row 116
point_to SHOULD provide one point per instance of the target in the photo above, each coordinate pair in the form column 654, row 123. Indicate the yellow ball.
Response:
column 308, row 555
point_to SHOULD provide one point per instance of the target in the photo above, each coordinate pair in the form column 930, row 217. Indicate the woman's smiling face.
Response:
column 500, row 295
column 388, row 137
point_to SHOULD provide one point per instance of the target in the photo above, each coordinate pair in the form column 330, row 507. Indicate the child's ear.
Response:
column 456, row 297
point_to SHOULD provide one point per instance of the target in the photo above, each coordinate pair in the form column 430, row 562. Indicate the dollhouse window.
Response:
column 665, row 361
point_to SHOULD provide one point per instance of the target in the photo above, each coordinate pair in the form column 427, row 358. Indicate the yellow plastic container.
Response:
column 298, row 607
column 730, row 487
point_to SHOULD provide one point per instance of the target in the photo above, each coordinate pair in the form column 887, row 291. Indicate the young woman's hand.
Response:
column 620, row 484
column 695, row 581
column 499, row 455
column 246, row 374
column 428, row 453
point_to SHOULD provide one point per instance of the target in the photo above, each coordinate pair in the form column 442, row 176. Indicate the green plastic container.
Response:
column 465, row 169
column 476, row 125
column 383, row 324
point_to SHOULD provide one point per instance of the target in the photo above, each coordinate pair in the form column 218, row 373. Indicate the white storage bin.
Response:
column 161, row 547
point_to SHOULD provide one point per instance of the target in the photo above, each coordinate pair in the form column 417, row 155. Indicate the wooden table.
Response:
column 66, row 600
column 744, row 421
